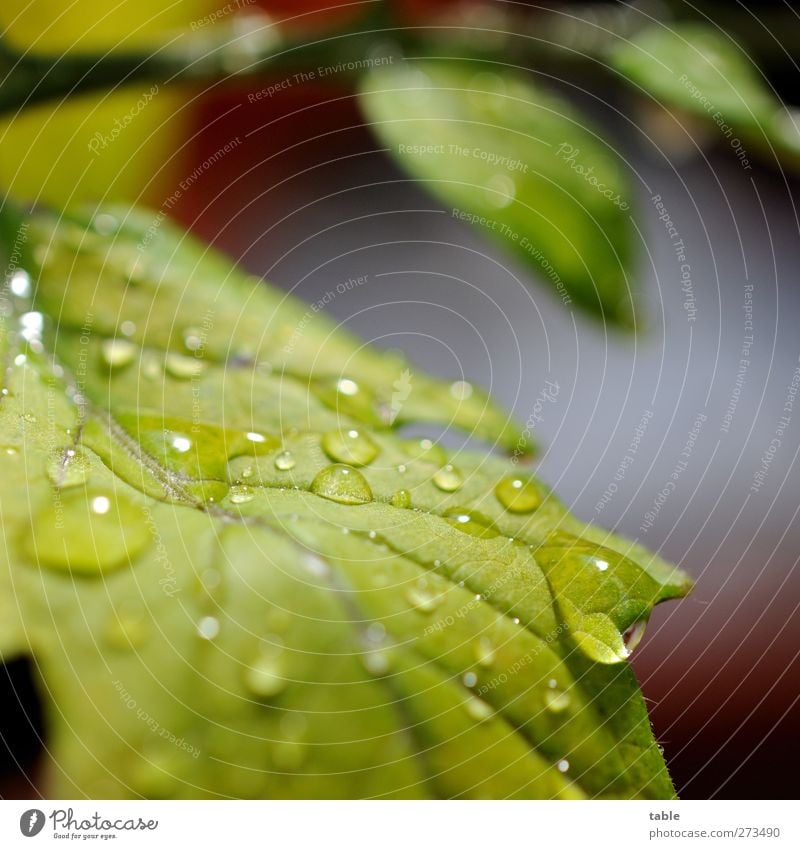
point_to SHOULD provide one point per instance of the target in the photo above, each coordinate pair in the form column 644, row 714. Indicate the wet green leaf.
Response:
column 519, row 163
column 700, row 73
column 219, row 606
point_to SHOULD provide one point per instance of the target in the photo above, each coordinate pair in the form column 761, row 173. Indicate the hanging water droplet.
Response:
column 478, row 709
column 401, row 499
column 633, row 635
column 88, row 533
column 342, row 484
column 484, row 652
column 285, row 461
column 183, row 368
column 117, row 353
column 350, row 446
column 241, row 494
column 518, row 494
column 555, row 700
column 264, row 677
column 208, row 627
column 68, row 469
column 563, row 765
column 448, row 478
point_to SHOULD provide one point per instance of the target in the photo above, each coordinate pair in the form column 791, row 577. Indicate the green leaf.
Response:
column 519, row 163
column 231, row 588
column 698, row 71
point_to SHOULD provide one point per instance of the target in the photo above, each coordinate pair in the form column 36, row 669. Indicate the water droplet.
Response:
column 500, row 190
column 105, row 224
column 562, row 765
column 376, row 632
column 241, row 494
column 484, row 652
column 470, row 522
column 117, row 353
column 20, row 284
column 183, row 368
column 555, row 700
column 478, row 709
column 208, row 627
column 448, row 478
column 264, row 677
column 69, row 468
column 342, row 484
column 349, row 446
column 401, row 499
column 470, row 679
column 88, row 533
column 518, row 494
column 127, row 328
column 193, row 339
column 461, row 390
column 376, row 662
column 285, row 461
column 348, row 397
column 128, row 627
column 422, row 599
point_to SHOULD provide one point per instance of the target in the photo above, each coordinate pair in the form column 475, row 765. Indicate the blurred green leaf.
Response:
column 219, row 606
column 696, row 70
column 521, row 164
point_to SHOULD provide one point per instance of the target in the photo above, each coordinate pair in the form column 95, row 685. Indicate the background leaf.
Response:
column 700, row 72
column 518, row 162
column 237, row 579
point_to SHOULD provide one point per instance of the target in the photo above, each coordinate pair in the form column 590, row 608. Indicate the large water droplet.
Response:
column 88, row 533
column 401, row 499
column 69, row 468
column 264, row 678
column 342, row 484
column 285, row 461
column 518, row 494
column 471, row 522
column 117, row 353
column 349, row 446
column 448, row 478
